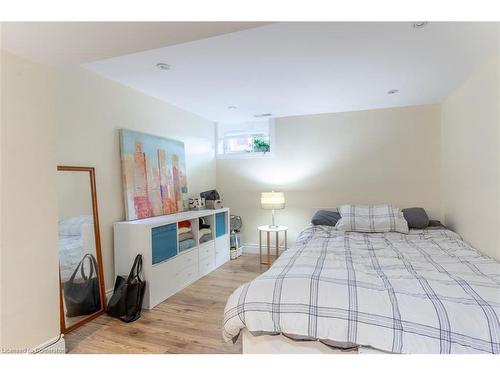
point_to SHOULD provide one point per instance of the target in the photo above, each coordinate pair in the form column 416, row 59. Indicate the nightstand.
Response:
column 268, row 230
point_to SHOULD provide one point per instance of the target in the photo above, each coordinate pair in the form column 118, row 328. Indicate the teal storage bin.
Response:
column 164, row 242
column 220, row 224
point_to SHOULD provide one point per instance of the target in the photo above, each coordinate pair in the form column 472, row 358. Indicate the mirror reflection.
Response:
column 79, row 249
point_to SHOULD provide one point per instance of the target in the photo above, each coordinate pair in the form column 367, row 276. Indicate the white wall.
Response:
column 389, row 155
column 91, row 109
column 74, row 194
column 470, row 159
column 29, row 274
column 69, row 117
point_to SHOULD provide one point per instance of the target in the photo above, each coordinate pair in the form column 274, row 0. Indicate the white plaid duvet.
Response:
column 422, row 292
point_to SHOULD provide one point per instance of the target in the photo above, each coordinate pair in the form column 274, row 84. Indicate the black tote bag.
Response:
column 82, row 297
column 126, row 302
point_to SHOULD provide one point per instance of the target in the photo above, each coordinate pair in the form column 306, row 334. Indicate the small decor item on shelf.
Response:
column 212, row 199
column 215, row 204
column 196, row 203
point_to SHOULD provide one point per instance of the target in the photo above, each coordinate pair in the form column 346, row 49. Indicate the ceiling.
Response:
column 298, row 68
column 70, row 43
column 286, row 69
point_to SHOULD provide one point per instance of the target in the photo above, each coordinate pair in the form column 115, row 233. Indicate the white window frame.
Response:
column 248, row 155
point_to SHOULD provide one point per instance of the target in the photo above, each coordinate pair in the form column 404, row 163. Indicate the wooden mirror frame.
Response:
column 102, row 292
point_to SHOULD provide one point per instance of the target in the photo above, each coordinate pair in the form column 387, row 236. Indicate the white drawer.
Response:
column 187, row 275
column 206, row 265
column 207, row 250
column 186, row 259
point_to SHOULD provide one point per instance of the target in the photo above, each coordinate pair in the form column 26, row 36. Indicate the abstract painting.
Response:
column 154, row 175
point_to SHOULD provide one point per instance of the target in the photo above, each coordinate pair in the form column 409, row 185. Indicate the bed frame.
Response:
column 280, row 344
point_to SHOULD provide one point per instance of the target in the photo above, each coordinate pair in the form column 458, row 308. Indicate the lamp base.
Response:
column 273, row 225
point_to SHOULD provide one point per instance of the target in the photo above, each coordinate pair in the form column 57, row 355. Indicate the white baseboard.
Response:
column 251, row 248
column 57, row 345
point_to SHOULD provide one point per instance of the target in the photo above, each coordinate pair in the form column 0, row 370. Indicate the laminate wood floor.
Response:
column 188, row 322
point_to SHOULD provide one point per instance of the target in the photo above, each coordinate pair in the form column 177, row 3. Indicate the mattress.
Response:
column 423, row 292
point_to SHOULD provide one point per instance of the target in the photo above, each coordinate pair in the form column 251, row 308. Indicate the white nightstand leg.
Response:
column 260, row 246
column 268, row 249
column 277, row 245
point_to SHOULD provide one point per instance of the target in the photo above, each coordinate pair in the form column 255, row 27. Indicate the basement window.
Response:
column 249, row 139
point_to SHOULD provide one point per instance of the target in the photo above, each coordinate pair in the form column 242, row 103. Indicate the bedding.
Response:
column 185, row 236
column 205, row 238
column 325, row 217
column 70, row 254
column 72, row 226
column 422, row 292
column 203, row 232
column 371, row 218
column 416, row 217
column 186, row 244
column 184, row 230
column 76, row 238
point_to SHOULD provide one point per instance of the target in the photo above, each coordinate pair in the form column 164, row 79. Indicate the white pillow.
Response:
column 371, row 219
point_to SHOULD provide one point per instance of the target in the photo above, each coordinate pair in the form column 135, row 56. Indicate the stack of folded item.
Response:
column 186, row 238
column 205, row 233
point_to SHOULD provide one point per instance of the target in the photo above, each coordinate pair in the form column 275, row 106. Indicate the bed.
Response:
column 426, row 291
column 76, row 238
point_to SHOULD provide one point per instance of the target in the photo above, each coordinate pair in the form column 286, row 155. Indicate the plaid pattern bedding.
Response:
column 372, row 218
column 422, row 292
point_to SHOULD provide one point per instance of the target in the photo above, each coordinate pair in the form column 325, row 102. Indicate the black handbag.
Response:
column 82, row 297
column 126, row 302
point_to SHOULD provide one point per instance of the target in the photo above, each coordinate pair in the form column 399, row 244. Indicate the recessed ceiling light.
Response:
column 263, row 115
column 232, row 107
column 419, row 25
column 393, row 91
column 163, row 66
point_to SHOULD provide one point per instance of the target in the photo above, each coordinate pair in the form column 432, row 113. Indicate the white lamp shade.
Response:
column 272, row 200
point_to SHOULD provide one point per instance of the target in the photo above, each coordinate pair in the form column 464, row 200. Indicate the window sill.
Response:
column 246, row 155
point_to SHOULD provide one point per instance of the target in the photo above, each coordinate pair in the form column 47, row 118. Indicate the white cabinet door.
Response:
column 222, row 254
column 171, row 276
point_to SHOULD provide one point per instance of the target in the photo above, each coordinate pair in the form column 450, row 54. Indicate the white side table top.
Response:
column 267, row 228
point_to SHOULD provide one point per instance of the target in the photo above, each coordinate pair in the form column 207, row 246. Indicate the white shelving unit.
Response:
column 166, row 269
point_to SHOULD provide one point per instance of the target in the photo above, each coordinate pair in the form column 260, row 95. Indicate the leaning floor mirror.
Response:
column 82, row 295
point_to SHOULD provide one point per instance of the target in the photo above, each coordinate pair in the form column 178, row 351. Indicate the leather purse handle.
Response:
column 80, row 267
column 136, row 268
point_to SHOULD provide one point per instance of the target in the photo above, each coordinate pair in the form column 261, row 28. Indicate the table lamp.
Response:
column 272, row 200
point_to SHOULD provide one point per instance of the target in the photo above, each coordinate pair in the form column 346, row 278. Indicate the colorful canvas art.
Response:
column 154, row 175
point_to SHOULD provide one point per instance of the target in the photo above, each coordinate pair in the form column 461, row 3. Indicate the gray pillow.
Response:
column 324, row 217
column 436, row 224
column 416, row 217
